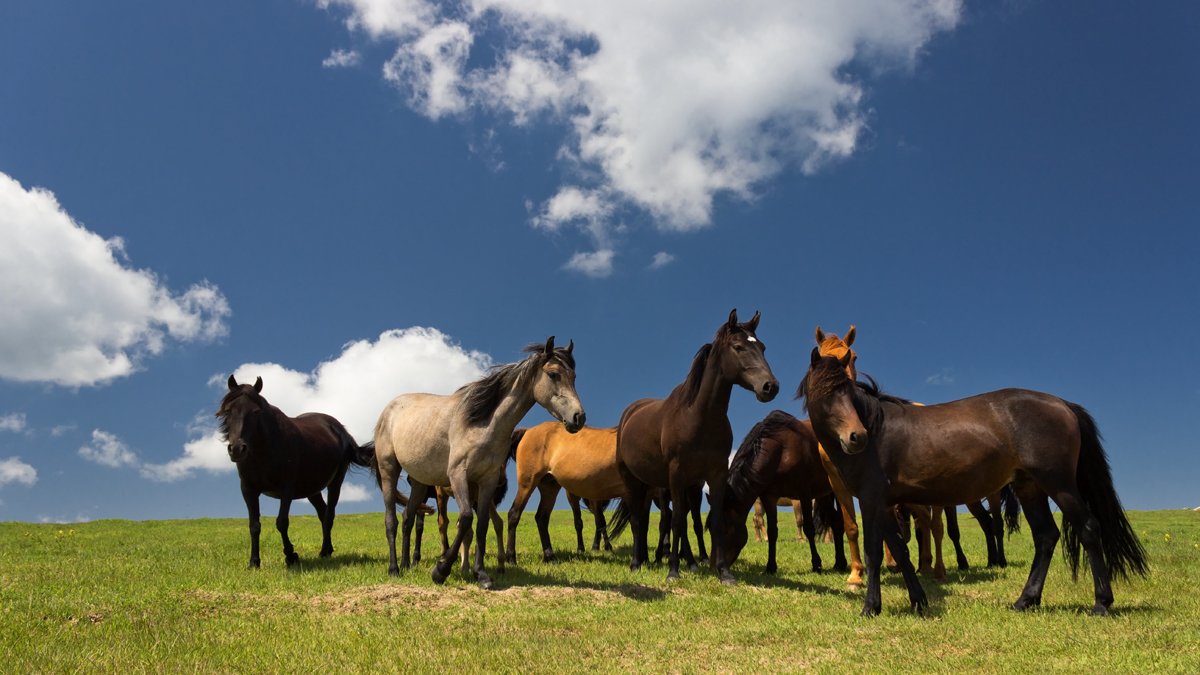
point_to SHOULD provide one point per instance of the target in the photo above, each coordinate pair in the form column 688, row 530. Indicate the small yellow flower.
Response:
column 1167, row 537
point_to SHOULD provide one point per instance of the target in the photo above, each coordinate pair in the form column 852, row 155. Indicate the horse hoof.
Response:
column 292, row 559
column 254, row 564
column 485, row 582
column 817, row 568
column 635, row 567
column 693, row 567
column 1099, row 610
column 727, row 577
column 869, row 612
column 439, row 575
column 672, row 576
column 393, row 571
column 549, row 558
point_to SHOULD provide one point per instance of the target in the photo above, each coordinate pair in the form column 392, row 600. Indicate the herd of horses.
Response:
column 1009, row 446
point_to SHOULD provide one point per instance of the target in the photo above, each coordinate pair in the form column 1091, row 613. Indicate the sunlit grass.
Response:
column 175, row 595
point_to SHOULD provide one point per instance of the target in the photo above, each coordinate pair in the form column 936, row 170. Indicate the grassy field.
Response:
column 175, row 595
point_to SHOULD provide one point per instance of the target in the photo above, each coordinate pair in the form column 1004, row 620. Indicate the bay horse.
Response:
column 957, row 452
column 778, row 458
column 549, row 459
column 286, row 458
column 681, row 442
column 463, row 441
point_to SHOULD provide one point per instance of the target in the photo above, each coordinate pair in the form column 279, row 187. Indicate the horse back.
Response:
column 585, row 463
column 414, row 430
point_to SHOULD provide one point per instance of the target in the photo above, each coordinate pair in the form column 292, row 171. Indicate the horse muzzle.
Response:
column 854, row 442
column 767, row 390
column 576, row 422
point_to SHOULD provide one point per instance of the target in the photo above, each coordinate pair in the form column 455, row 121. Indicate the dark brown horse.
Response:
column 778, row 458
column 286, row 458
column 683, row 441
column 953, row 453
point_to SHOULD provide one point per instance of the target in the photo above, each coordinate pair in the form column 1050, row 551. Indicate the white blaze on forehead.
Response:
column 751, row 338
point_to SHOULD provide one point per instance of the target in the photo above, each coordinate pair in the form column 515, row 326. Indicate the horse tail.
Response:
column 823, row 515
column 1123, row 552
column 364, row 456
column 619, row 520
column 501, row 489
column 601, row 505
column 1012, row 509
column 517, row 435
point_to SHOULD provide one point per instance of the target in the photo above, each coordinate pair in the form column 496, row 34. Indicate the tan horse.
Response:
column 760, row 531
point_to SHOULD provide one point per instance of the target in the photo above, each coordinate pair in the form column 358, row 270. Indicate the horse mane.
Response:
column 689, row 389
column 228, row 399
column 745, row 479
column 826, row 376
column 483, row 396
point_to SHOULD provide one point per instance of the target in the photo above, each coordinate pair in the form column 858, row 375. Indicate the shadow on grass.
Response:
column 337, row 561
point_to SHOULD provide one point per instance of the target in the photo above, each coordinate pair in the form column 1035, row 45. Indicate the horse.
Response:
column 442, row 497
column 286, row 458
column 760, row 530
column 683, row 441
column 830, row 344
column 951, row 453
column 462, row 441
column 777, row 458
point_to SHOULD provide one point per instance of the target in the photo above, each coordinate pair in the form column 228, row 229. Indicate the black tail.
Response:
column 823, row 514
column 364, row 455
column 1012, row 509
column 619, row 520
column 1123, row 553
column 518, row 434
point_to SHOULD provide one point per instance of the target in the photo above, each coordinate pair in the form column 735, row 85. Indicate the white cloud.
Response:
column 943, row 376
column 353, row 387
column 13, row 470
column 12, row 422
column 73, row 313
column 353, row 492
column 595, row 264
column 342, row 58
column 667, row 104
column 108, row 450
column 59, row 430
column 661, row 259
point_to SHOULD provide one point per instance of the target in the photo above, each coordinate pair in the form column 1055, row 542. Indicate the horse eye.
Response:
column 553, row 375
column 738, row 348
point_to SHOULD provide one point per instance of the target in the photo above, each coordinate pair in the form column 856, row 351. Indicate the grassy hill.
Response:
column 175, row 595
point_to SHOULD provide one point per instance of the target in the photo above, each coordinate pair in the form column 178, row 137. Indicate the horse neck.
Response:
column 512, row 408
column 715, row 391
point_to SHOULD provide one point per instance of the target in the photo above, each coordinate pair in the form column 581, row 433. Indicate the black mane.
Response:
column 483, row 396
column 745, row 480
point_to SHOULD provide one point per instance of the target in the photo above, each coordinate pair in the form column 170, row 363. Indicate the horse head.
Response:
column 742, row 357
column 554, row 385
column 832, row 345
column 242, row 418
column 828, row 394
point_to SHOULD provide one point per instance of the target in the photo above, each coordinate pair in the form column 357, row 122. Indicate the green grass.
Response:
column 175, row 595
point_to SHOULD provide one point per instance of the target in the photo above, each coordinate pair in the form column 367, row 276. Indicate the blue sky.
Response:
column 358, row 198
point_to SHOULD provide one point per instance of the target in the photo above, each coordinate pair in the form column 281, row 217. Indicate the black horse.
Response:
column 286, row 458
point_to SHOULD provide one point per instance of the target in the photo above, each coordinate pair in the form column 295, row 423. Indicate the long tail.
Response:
column 823, row 514
column 1123, row 552
column 619, row 519
column 1011, row 508
column 517, row 435
column 364, row 456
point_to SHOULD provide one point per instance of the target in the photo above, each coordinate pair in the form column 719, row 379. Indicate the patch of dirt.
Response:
column 387, row 597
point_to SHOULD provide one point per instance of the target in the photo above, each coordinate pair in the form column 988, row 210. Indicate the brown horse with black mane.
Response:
column 683, row 441
column 890, row 452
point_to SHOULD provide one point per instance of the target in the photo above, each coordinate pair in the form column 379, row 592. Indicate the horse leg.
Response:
column 281, row 524
column 664, row 525
column 389, row 475
column 525, row 485
column 498, row 526
column 951, row 513
column 679, row 516
column 1087, row 529
column 985, row 523
column 442, row 497
column 810, row 532
column 695, row 496
column 322, row 512
column 716, row 497
column 418, row 534
column 251, row 497
column 417, row 495
column 334, row 495
column 939, row 532
column 636, row 495
column 548, row 494
column 837, row 529
column 483, row 503
column 921, row 515
column 771, row 516
column 577, row 516
column 601, row 526
column 798, row 512
column 916, row 594
column 1045, row 537
column 466, row 518
column 994, row 507
column 760, row 533
column 850, row 528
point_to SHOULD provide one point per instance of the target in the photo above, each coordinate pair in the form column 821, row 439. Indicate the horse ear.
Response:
column 550, row 345
column 846, row 359
column 752, row 324
column 233, row 385
column 820, row 335
column 258, row 385
column 732, row 323
column 571, row 345
column 816, row 357
column 849, row 339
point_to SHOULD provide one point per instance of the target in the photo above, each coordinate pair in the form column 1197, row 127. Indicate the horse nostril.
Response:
column 580, row 418
column 768, row 387
column 853, row 438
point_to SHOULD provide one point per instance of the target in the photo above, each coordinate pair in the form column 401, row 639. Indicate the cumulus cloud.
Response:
column 342, row 58
column 353, row 387
column 661, row 259
column 108, row 450
column 595, row 264
column 667, row 105
column 943, row 376
column 13, row 470
column 353, row 492
column 74, row 313
column 14, row 422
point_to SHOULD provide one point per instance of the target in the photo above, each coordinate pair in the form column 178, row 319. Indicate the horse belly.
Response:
column 418, row 433
column 956, row 476
column 589, row 477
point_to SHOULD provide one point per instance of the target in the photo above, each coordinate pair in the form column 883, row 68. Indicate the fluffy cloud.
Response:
column 74, row 313
column 353, row 492
column 353, row 387
column 661, row 259
column 13, row 470
column 108, row 450
column 12, row 422
column 595, row 264
column 342, row 58
column 667, row 104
